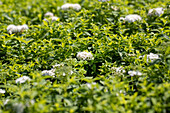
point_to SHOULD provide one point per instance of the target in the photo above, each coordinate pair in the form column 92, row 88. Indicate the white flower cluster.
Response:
column 151, row 57
column 84, row 56
column 22, row 79
column 2, row 91
column 118, row 69
column 49, row 72
column 132, row 73
column 16, row 29
column 67, row 6
column 132, row 18
column 53, row 70
column 156, row 11
column 50, row 16
column 54, row 18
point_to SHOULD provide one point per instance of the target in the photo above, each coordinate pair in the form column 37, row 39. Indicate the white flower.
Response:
column 14, row 29
column 67, row 6
column 6, row 101
column 19, row 28
column 118, row 69
column 48, row 14
column 132, row 73
column 71, row 72
column 84, row 56
column 24, row 27
column 76, row 7
column 51, row 19
column 22, row 79
column 48, row 72
column 2, row 91
column 151, row 57
column 54, row 18
column 64, row 74
column 132, row 18
column 156, row 11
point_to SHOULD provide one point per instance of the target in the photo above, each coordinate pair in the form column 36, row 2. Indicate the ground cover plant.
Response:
column 84, row 56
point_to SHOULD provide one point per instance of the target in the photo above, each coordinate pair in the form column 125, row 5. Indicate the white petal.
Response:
column 2, row 91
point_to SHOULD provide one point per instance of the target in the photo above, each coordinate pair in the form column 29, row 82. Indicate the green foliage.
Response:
column 85, row 86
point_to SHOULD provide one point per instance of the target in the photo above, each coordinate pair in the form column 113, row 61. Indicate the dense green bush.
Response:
column 120, row 78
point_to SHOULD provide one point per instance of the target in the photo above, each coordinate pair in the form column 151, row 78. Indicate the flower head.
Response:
column 48, row 73
column 21, row 28
column 151, row 57
column 51, row 19
column 24, row 27
column 2, row 91
column 84, row 56
column 54, row 18
column 67, row 6
column 132, row 73
column 118, row 69
column 71, row 72
column 156, row 11
column 15, row 29
column 48, row 14
column 12, row 29
column 132, row 18
column 22, row 79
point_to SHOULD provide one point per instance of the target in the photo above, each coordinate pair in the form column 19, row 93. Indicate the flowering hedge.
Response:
column 98, row 56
